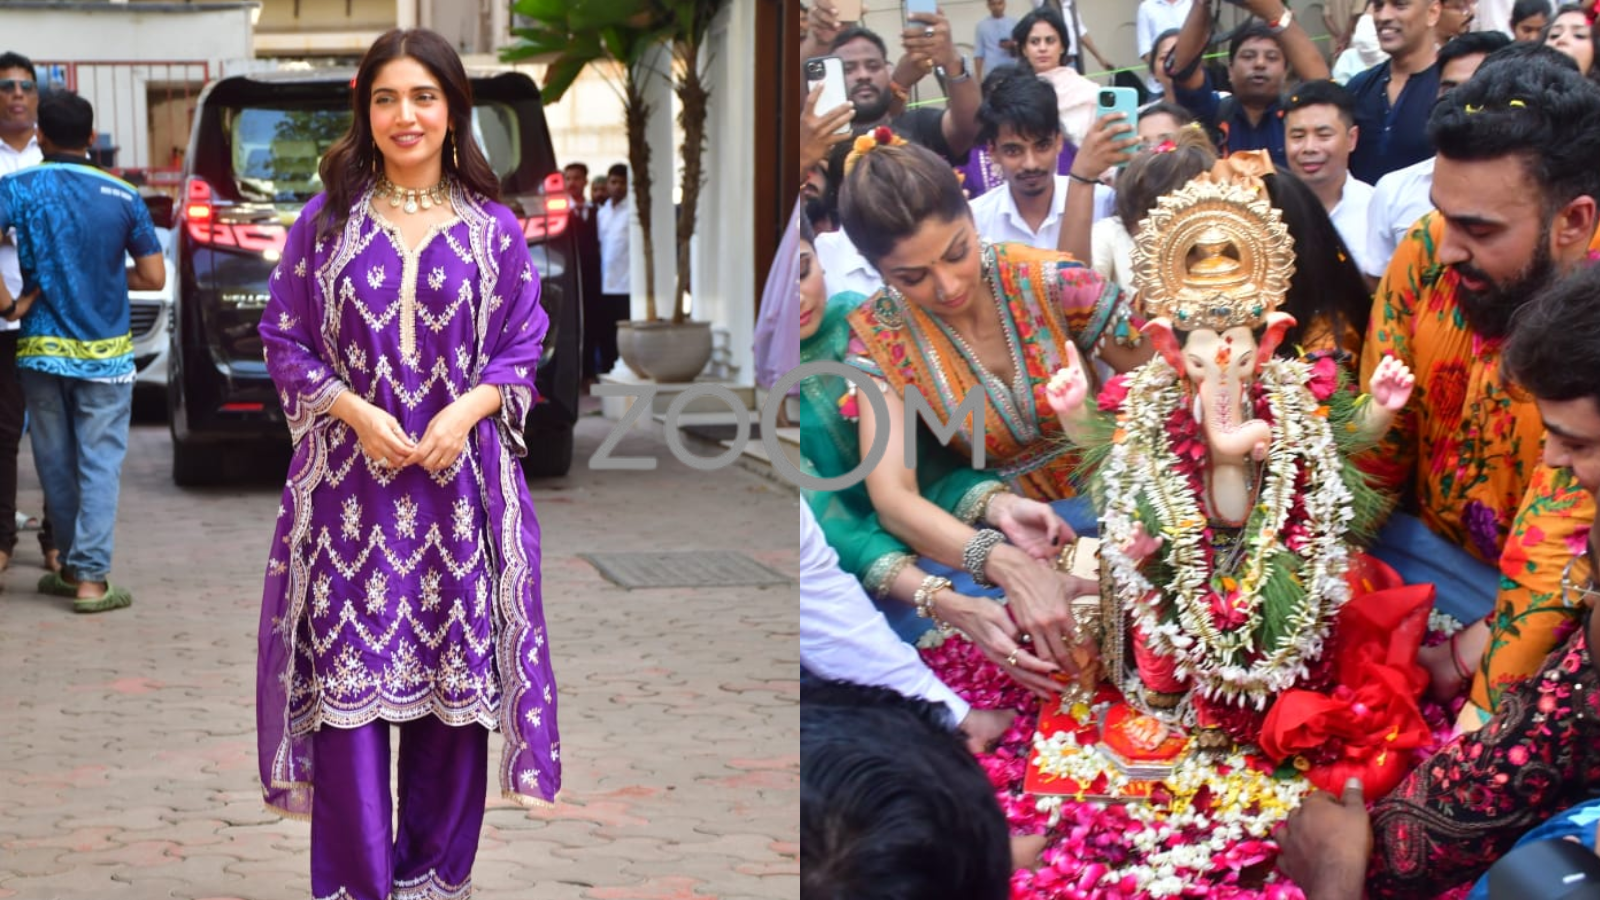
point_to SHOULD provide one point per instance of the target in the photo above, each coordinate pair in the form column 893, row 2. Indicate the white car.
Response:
column 150, row 314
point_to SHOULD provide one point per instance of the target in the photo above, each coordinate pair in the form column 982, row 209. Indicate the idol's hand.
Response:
column 1141, row 546
column 1032, row 526
column 1392, row 382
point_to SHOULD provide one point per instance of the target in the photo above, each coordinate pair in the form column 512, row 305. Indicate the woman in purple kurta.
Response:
column 403, row 594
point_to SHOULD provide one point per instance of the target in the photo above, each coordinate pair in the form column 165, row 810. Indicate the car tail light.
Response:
column 201, row 221
column 553, row 219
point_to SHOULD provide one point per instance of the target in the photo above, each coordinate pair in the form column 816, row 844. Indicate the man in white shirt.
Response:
column 1403, row 196
column 1156, row 17
column 1319, row 134
column 19, row 148
column 843, row 637
column 1019, row 123
column 614, row 219
column 992, row 46
column 843, row 266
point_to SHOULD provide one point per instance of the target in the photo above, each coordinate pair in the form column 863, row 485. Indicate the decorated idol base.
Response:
column 1202, row 830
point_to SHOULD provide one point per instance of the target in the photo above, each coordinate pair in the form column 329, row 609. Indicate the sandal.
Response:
column 56, row 586
column 114, row 598
column 26, row 522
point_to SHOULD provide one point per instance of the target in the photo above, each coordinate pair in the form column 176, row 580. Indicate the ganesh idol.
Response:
column 1230, row 508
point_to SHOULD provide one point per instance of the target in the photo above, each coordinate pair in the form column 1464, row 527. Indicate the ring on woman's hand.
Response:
column 928, row 32
column 1012, row 659
column 1024, row 638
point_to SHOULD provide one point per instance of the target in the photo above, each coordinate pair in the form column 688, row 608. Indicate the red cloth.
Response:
column 1367, row 725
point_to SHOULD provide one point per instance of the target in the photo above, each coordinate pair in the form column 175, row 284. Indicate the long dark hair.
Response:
column 1326, row 285
column 1050, row 17
column 351, row 164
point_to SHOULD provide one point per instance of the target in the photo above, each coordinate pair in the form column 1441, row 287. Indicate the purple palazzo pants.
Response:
column 355, row 854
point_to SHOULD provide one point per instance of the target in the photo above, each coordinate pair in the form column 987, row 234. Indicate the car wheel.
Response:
column 549, row 451
column 195, row 464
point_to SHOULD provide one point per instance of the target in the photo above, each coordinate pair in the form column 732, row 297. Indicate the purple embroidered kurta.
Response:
column 395, row 594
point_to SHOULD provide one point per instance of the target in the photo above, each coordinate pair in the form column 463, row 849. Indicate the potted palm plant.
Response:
column 617, row 36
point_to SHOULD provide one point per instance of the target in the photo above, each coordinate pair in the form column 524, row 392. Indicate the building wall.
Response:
column 123, row 32
column 140, row 66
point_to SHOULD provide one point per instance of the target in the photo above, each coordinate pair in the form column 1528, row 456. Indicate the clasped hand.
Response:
column 384, row 440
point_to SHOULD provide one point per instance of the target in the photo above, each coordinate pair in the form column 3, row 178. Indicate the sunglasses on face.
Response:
column 7, row 85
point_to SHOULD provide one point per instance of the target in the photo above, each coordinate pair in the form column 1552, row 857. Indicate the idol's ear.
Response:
column 1277, row 324
column 1165, row 341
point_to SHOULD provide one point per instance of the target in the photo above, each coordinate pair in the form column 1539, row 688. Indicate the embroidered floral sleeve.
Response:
column 1410, row 277
column 291, row 330
column 1465, row 806
column 515, row 328
column 1530, row 617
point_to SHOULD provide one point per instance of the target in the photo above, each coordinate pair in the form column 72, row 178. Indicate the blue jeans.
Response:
column 903, row 617
column 79, row 430
column 1465, row 585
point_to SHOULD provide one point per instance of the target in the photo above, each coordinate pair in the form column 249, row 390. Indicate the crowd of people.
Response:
column 1444, row 208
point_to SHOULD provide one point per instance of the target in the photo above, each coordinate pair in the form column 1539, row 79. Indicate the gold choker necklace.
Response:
column 413, row 198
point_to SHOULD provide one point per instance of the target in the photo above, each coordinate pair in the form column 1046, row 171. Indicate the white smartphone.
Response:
column 931, row 7
column 828, row 71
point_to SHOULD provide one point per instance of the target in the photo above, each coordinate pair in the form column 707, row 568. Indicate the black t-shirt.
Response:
column 925, row 126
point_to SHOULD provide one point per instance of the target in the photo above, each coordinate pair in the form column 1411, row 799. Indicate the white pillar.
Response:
column 662, row 136
column 723, row 258
column 405, row 13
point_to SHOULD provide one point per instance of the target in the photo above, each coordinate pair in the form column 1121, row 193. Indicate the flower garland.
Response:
column 1220, row 815
column 1209, row 622
column 1099, row 850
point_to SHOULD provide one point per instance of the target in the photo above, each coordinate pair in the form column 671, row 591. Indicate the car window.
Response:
column 276, row 149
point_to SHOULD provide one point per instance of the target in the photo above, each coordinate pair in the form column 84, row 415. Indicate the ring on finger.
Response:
column 1024, row 638
column 927, row 32
column 1012, row 659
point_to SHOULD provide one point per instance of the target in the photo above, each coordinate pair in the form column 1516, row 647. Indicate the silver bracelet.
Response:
column 975, row 556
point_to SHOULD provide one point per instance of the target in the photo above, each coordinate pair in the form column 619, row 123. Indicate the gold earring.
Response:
column 375, row 155
column 455, row 150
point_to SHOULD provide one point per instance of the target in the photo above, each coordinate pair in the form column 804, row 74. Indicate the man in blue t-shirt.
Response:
column 1260, row 58
column 74, row 224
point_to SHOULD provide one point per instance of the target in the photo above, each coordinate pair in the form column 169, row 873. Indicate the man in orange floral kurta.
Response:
column 1467, row 449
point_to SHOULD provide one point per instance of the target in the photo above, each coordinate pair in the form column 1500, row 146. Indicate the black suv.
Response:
column 251, row 167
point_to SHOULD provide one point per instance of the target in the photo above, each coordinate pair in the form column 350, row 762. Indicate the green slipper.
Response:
column 53, row 584
column 113, row 598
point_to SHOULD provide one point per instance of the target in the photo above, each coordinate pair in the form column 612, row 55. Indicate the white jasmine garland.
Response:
column 1144, row 467
column 1177, row 845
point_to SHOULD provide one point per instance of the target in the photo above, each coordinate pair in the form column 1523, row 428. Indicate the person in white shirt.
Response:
column 992, row 46
column 1363, row 52
column 843, row 637
column 1155, row 18
column 616, row 289
column 1173, row 154
column 1319, row 135
column 1403, row 196
column 19, row 148
column 1076, row 32
column 1018, row 122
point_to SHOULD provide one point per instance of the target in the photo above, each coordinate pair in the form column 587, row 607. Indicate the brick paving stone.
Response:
column 127, row 748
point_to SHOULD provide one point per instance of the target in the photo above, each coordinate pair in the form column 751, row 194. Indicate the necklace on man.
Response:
column 413, row 198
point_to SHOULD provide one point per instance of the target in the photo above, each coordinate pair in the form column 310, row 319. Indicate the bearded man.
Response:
column 1514, row 192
